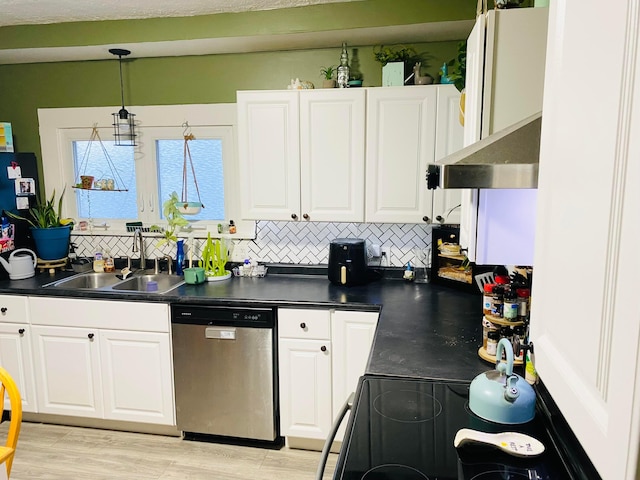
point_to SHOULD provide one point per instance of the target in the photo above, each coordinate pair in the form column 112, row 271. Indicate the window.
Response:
column 149, row 172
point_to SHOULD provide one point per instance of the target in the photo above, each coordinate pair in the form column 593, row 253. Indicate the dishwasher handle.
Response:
column 332, row 435
column 220, row 333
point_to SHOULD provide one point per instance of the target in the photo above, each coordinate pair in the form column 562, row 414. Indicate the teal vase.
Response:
column 51, row 243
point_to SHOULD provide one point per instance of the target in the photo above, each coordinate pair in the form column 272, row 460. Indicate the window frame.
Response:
column 60, row 126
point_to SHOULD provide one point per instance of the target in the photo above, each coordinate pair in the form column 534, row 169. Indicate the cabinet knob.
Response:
column 21, row 331
column 426, row 219
column 303, row 325
column 3, row 309
column 323, row 348
column 305, row 216
column 294, row 216
column 90, row 336
column 439, row 218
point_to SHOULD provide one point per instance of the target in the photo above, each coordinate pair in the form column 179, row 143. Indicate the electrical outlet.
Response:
column 240, row 251
column 386, row 256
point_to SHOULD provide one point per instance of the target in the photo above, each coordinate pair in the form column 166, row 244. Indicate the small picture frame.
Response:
column 22, row 203
column 25, row 187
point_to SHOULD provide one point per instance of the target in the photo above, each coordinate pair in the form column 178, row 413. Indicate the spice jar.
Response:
column 510, row 306
column 493, row 337
column 523, row 296
column 487, row 326
column 486, row 298
column 497, row 300
column 518, row 339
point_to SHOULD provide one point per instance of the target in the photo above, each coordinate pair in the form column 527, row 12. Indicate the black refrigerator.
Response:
column 18, row 192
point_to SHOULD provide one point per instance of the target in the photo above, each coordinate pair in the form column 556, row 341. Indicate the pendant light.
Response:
column 124, row 125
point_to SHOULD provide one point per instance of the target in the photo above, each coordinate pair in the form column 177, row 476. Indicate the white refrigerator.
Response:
column 504, row 84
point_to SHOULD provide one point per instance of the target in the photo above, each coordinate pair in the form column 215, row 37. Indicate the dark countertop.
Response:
column 424, row 330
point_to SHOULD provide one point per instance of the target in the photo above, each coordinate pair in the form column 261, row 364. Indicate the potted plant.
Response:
column 328, row 74
column 51, row 232
column 175, row 220
column 397, row 63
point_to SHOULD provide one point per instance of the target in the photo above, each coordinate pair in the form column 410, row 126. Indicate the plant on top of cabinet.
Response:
column 328, row 74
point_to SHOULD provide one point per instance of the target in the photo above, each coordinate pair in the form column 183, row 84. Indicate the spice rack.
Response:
column 482, row 353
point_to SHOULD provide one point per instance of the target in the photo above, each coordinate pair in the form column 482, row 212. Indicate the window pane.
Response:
column 206, row 155
column 110, row 162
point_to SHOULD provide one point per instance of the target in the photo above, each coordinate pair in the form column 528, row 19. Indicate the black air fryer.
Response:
column 348, row 261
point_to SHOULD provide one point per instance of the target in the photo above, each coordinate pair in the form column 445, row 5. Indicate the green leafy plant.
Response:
column 47, row 214
column 399, row 53
column 175, row 220
column 458, row 66
column 328, row 72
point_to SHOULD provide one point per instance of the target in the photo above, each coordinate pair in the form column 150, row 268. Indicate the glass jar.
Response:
column 487, row 326
column 518, row 339
column 523, row 297
column 493, row 337
column 497, row 300
column 510, row 306
column 486, row 298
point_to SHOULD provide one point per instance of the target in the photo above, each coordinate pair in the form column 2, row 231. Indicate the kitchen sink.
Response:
column 112, row 282
column 88, row 281
column 140, row 283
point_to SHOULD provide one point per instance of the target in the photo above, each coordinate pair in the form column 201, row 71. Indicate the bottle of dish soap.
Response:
column 98, row 262
column 409, row 273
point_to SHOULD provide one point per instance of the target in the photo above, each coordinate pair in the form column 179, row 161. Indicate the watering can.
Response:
column 20, row 266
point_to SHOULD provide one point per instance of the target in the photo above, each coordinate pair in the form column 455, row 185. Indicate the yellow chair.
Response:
column 8, row 451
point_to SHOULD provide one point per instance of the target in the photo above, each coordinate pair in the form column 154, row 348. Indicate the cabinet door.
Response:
column 305, row 388
column 269, row 154
column 15, row 357
column 400, row 144
column 67, row 371
column 449, row 139
column 587, row 351
column 332, row 123
column 136, row 376
column 352, row 337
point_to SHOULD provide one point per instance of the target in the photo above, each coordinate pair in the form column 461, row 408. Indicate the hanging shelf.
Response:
column 185, row 206
column 84, row 181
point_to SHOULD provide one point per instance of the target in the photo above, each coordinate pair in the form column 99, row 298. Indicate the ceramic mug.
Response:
column 194, row 275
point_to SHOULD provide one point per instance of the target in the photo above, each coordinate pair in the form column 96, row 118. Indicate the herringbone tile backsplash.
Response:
column 286, row 242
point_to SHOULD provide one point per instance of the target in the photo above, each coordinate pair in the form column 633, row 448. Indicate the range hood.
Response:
column 507, row 159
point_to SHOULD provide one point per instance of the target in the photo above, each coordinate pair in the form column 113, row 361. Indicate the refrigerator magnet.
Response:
column 25, row 186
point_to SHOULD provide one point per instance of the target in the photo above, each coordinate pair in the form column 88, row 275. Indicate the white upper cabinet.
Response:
column 408, row 128
column 269, row 152
column 449, row 139
column 400, row 143
column 302, row 155
column 332, row 154
column 587, row 349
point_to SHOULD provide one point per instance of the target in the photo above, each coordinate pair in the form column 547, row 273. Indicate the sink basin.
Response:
column 109, row 282
column 139, row 283
column 90, row 281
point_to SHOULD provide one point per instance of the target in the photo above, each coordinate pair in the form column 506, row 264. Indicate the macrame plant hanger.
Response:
column 86, row 181
column 185, row 206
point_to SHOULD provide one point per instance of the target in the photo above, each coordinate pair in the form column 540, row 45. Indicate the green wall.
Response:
column 197, row 79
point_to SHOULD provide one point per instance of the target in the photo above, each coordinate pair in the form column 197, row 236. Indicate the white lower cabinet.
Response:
column 15, row 347
column 103, row 359
column 16, row 358
column 322, row 353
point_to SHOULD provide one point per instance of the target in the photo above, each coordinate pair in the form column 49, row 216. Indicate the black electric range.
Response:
column 403, row 429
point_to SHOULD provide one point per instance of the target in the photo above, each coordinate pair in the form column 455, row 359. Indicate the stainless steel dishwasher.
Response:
column 224, row 370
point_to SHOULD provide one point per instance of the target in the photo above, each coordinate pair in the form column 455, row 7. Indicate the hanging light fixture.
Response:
column 124, row 125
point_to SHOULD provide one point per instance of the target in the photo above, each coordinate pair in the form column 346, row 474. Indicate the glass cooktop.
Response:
column 403, row 429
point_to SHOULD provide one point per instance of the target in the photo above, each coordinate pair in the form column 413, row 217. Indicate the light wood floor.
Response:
column 54, row 452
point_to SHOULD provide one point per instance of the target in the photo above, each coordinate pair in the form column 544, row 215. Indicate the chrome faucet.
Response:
column 139, row 246
column 169, row 260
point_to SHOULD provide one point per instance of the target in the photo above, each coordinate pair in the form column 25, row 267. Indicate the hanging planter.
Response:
column 184, row 206
column 86, row 181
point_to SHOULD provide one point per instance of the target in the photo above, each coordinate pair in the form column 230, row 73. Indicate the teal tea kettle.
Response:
column 500, row 395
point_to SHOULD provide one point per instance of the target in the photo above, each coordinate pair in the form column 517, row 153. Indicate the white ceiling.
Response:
column 24, row 12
